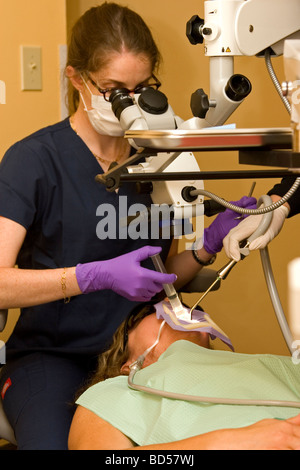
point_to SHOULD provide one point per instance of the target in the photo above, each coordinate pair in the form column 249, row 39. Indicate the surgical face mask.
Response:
column 101, row 116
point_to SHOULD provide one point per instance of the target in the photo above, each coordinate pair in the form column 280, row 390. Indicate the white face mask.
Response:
column 101, row 116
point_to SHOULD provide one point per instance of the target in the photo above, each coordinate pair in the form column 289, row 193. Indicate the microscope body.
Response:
column 235, row 28
column 230, row 28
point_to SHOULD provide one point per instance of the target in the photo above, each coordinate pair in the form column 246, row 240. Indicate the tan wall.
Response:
column 242, row 306
column 29, row 23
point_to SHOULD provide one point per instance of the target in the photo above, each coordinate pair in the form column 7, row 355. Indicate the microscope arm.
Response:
column 234, row 28
column 261, row 24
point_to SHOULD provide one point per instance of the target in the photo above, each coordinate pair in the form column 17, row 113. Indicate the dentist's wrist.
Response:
column 200, row 255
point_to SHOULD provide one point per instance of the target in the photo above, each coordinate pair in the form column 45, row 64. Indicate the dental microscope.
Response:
column 165, row 143
column 230, row 28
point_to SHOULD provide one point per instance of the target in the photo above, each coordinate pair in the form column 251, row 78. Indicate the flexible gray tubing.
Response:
column 265, row 222
column 223, row 401
column 267, row 268
column 269, row 277
column 275, row 80
column 242, row 210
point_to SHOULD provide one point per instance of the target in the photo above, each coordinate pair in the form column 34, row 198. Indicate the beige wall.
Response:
column 29, row 23
column 242, row 306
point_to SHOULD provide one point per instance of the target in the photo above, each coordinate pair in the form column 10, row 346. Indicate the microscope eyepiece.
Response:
column 153, row 101
column 150, row 100
column 238, row 87
column 120, row 99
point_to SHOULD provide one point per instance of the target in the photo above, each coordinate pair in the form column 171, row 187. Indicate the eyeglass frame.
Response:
column 143, row 311
column 136, row 90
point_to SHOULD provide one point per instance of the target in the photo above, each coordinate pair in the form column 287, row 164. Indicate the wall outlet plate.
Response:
column 31, row 67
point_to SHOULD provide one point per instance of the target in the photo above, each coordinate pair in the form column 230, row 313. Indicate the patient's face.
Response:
column 144, row 334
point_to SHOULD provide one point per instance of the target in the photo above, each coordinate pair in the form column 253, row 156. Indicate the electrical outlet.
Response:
column 31, row 67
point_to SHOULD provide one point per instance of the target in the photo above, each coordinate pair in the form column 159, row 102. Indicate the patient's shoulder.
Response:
column 90, row 432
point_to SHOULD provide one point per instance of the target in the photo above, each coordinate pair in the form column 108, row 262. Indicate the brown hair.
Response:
column 105, row 29
column 110, row 362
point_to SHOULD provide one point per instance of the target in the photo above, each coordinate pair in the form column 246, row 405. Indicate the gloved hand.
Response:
column 124, row 275
column 247, row 227
column 223, row 223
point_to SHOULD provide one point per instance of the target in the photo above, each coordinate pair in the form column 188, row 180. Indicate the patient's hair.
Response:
column 111, row 361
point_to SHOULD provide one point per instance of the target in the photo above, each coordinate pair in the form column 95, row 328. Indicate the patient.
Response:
column 111, row 415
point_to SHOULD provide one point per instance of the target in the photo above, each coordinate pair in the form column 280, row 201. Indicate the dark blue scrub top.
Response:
column 47, row 184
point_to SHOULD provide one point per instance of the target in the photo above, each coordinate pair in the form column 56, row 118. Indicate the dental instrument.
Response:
column 201, row 322
column 221, row 275
column 169, row 288
column 183, row 316
column 262, row 228
column 249, row 195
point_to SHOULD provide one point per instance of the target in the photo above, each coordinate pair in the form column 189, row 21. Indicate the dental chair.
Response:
column 200, row 283
column 6, row 431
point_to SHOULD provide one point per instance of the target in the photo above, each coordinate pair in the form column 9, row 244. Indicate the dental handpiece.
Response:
column 168, row 288
column 221, row 275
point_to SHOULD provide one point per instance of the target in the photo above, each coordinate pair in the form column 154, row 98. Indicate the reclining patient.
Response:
column 111, row 415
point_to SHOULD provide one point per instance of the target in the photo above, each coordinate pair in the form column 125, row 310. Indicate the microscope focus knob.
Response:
column 199, row 103
column 194, row 30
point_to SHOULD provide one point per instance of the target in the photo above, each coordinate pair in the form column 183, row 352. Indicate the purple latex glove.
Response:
column 124, row 275
column 223, row 223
